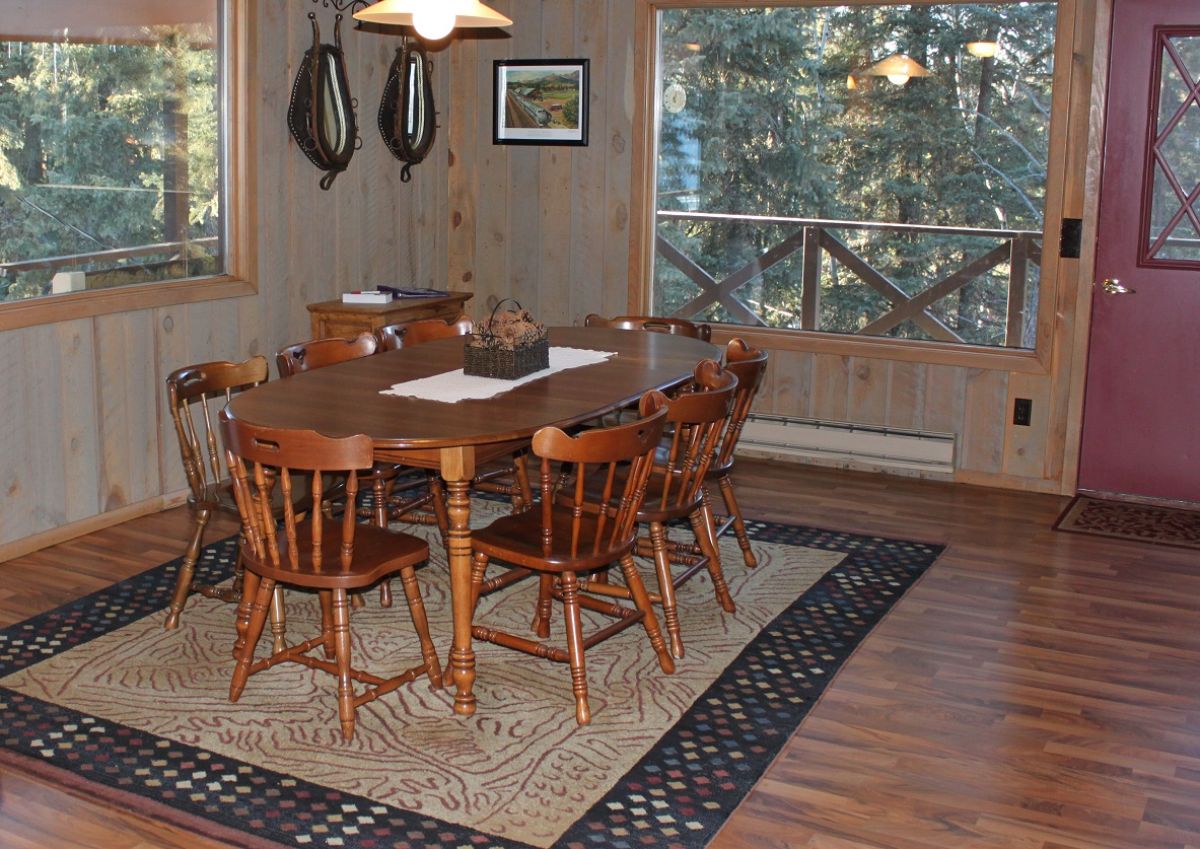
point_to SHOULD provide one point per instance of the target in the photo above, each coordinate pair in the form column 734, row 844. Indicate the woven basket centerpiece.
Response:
column 508, row 345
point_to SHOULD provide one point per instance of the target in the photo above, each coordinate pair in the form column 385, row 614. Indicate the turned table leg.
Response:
column 458, row 468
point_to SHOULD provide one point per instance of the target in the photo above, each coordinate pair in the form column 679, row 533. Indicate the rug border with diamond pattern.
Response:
column 677, row 796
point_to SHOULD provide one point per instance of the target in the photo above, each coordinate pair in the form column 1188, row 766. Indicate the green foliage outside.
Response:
column 89, row 134
column 770, row 127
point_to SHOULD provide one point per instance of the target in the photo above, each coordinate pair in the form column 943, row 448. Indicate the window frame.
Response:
column 239, row 185
column 1065, row 179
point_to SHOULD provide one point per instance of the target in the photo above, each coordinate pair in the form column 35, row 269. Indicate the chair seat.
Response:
column 217, row 495
column 653, row 510
column 517, row 539
column 383, row 471
column 719, row 469
column 377, row 552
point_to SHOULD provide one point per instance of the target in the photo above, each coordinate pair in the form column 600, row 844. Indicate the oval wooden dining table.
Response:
column 452, row 438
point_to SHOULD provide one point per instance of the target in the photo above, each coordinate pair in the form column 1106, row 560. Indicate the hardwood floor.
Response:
column 1035, row 690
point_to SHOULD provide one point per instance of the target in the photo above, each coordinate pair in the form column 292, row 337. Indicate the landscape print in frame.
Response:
column 540, row 101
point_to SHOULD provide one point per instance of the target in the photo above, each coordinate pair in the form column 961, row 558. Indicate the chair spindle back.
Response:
column 189, row 391
column 622, row 456
column 261, row 458
column 750, row 366
column 697, row 415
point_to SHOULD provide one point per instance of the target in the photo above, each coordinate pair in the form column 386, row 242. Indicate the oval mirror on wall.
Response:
column 321, row 112
column 407, row 117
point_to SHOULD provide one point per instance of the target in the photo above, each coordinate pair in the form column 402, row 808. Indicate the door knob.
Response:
column 1113, row 286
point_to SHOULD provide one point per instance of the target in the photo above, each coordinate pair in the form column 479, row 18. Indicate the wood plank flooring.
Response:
column 1037, row 690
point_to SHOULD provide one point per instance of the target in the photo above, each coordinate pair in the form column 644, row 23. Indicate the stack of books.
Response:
column 387, row 294
column 367, row 296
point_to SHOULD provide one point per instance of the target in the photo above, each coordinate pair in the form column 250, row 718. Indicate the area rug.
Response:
column 95, row 695
column 1131, row 520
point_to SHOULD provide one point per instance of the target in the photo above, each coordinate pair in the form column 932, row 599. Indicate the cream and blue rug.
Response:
column 97, row 696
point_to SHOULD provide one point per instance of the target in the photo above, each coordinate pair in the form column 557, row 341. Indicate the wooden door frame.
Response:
column 1077, row 376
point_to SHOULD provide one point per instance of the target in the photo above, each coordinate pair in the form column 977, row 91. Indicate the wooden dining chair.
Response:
column 676, row 491
column 657, row 324
column 332, row 556
column 192, row 392
column 383, row 478
column 394, row 336
column 577, row 530
column 749, row 365
column 318, row 353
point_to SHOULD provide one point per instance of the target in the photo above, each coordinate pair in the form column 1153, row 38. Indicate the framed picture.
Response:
column 540, row 101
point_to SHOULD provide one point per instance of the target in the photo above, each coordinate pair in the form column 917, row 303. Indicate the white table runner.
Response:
column 454, row 386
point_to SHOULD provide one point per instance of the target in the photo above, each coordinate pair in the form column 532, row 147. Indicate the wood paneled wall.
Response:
column 548, row 226
column 85, row 429
column 86, row 440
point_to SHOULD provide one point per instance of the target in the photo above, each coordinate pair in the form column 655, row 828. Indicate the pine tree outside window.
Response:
column 115, row 149
column 795, row 190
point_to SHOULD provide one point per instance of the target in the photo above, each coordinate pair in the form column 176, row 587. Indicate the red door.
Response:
column 1141, row 422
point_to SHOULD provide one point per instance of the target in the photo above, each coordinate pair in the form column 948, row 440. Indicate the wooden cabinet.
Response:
column 333, row 318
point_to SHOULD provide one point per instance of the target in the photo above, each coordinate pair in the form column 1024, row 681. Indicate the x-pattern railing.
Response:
column 814, row 239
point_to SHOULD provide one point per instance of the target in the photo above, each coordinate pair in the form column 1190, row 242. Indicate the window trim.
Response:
column 1065, row 180
column 240, row 207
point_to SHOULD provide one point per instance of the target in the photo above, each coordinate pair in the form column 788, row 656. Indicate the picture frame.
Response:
column 540, row 101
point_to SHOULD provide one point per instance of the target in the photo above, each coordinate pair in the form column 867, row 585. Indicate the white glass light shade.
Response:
column 983, row 49
column 435, row 21
column 427, row 13
column 898, row 68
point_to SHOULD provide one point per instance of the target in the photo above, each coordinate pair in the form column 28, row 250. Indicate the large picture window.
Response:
column 878, row 170
column 112, row 139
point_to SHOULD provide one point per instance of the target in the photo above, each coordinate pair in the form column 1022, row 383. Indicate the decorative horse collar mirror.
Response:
column 407, row 119
column 321, row 113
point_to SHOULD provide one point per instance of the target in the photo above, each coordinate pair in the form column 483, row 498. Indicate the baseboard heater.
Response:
column 849, row 445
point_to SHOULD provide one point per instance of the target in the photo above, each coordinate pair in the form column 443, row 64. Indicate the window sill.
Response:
column 935, row 353
column 55, row 308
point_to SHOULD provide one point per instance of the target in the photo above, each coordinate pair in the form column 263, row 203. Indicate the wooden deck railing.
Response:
column 105, row 261
column 812, row 237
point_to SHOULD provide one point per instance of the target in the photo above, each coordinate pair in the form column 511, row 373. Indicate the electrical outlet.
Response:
column 1023, row 411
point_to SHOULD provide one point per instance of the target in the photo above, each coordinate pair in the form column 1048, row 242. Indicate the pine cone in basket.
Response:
column 509, row 329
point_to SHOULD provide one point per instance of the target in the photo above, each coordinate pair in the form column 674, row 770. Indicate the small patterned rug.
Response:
column 1131, row 520
column 96, row 696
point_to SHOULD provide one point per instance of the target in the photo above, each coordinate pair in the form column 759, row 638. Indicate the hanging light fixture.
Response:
column 433, row 19
column 898, row 68
column 983, row 49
